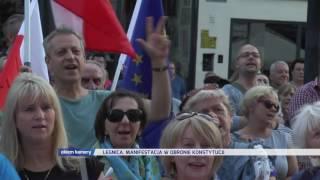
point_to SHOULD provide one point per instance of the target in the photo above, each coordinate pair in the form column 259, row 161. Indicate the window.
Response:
column 275, row 40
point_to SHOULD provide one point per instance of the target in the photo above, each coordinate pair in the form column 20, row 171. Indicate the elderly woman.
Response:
column 306, row 134
column 119, row 121
column 33, row 131
column 260, row 106
column 191, row 130
column 215, row 103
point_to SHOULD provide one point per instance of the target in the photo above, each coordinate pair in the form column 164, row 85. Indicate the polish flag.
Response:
column 96, row 21
column 16, row 58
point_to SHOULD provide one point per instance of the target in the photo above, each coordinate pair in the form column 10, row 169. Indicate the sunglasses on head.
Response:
column 268, row 104
column 186, row 115
column 133, row 115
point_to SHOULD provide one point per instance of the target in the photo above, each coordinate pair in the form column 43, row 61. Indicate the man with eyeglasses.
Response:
column 247, row 65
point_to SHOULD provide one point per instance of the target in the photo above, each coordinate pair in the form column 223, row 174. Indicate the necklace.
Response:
column 45, row 178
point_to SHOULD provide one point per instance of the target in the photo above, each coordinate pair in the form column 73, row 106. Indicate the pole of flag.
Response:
column 123, row 57
column 27, row 33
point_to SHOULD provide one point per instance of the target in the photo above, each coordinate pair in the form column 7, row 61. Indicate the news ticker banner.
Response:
column 188, row 152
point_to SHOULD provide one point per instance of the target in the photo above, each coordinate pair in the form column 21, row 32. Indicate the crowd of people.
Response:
column 75, row 110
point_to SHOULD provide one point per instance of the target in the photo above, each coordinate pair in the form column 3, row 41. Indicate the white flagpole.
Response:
column 26, row 48
column 122, row 57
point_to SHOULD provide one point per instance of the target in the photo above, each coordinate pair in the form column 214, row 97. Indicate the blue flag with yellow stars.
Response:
column 137, row 72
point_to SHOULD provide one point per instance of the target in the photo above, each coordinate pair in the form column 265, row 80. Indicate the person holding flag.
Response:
column 139, row 74
column 65, row 58
column 25, row 52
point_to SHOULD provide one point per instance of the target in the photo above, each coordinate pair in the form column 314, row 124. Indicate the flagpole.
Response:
column 26, row 48
column 123, row 57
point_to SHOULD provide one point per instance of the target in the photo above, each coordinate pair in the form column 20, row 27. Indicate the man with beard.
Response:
column 247, row 65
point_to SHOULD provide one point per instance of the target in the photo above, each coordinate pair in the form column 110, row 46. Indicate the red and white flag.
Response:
column 96, row 21
column 16, row 58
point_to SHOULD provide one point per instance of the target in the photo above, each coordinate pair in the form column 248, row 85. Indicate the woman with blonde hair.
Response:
column 285, row 93
column 191, row 130
column 260, row 106
column 33, row 132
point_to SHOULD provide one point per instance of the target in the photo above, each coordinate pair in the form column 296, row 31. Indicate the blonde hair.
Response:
column 254, row 94
column 31, row 86
column 205, row 94
column 201, row 127
column 286, row 88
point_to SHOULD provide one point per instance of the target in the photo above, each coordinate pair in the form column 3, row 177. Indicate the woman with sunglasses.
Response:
column 118, row 124
column 260, row 106
column 191, row 130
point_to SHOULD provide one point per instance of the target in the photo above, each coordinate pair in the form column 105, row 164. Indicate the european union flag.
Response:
column 137, row 72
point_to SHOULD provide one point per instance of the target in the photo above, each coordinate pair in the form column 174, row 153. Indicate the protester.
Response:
column 215, row 103
column 33, row 132
column 306, row 129
column 262, row 79
column 118, row 124
column 260, row 106
column 285, row 94
column 177, row 82
column 297, row 72
column 93, row 76
column 11, row 28
column 247, row 65
column 213, row 79
column 191, row 130
column 306, row 94
column 279, row 74
column 65, row 58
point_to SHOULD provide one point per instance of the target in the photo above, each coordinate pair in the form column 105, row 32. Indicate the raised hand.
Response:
column 156, row 44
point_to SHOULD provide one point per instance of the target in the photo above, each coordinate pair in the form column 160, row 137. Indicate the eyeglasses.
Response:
column 116, row 115
column 247, row 54
column 268, row 104
column 186, row 115
column 96, row 81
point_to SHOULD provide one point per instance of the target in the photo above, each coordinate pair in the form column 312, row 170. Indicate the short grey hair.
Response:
column 102, row 69
column 205, row 94
column 274, row 65
column 60, row 31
